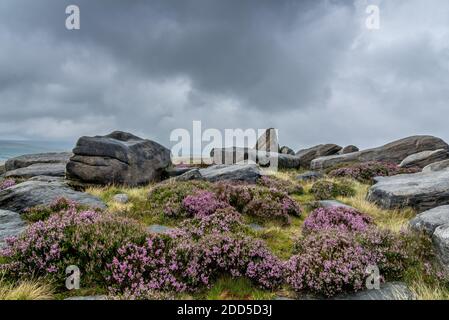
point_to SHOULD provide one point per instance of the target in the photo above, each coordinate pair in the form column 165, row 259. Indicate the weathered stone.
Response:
column 121, row 198
column 309, row 176
column 268, row 141
column 38, row 169
column 248, row 173
column 10, row 225
column 256, row 227
column 177, row 171
column 431, row 219
column 118, row 158
column 333, row 203
column 2, row 168
column 287, row 150
column 437, row 166
column 441, row 241
column 39, row 158
column 158, row 229
column 348, row 149
column 307, row 155
column 424, row 158
column 387, row 291
column 43, row 191
column 192, row 174
column 393, row 152
column 421, row 191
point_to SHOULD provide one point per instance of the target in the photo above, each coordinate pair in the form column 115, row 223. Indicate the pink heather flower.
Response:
column 8, row 183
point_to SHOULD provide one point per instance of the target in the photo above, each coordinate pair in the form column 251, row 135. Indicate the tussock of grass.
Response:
column 25, row 290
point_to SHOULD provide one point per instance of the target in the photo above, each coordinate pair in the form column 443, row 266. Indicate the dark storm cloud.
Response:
column 309, row 68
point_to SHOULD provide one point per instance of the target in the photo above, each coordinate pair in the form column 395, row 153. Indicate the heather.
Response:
column 43, row 212
column 287, row 186
column 8, row 183
column 366, row 171
column 338, row 218
column 328, row 189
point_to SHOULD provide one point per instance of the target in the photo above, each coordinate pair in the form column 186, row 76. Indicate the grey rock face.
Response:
column 437, row 166
column 2, row 168
column 393, row 152
column 118, row 158
column 333, row 203
column 348, row 149
column 39, row 158
column 431, row 219
column 38, row 169
column 121, row 198
column 424, row 158
column 10, row 225
column 268, row 141
column 307, row 155
column 309, row 176
column 248, row 173
column 421, row 191
column 387, row 291
column 287, row 150
column 176, row 172
column 441, row 241
column 43, row 191
column 192, row 174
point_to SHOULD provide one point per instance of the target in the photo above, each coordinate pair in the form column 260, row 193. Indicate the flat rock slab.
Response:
column 43, row 191
column 39, row 158
column 11, row 224
column 387, row 291
column 431, row 219
column 38, row 169
column 333, row 203
column 247, row 173
column 436, row 166
column 424, row 158
column 309, row 176
column 421, row 191
column 393, row 152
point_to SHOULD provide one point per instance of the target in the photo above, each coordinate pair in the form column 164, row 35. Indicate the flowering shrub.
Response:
column 339, row 218
column 258, row 201
column 8, row 183
column 365, row 172
column 42, row 212
column 203, row 204
column 325, row 190
column 327, row 263
column 87, row 239
column 167, row 197
column 286, row 186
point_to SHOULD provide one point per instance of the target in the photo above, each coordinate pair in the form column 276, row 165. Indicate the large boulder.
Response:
column 238, row 172
column 421, row 191
column 32, row 165
column 268, row 141
column 11, row 224
column 424, row 158
column 429, row 220
column 393, row 152
column 118, row 158
column 441, row 241
column 307, row 155
column 437, row 166
column 43, row 191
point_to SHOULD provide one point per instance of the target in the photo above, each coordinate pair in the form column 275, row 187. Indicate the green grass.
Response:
column 25, row 290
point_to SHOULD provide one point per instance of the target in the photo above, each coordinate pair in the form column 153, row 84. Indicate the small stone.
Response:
column 121, row 198
column 309, row 176
column 256, row 227
column 158, row 229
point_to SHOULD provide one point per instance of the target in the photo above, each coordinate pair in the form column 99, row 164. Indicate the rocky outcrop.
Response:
column 437, row 166
column 43, row 191
column 118, row 158
column 429, row 220
column 441, row 241
column 11, row 224
column 268, row 141
column 32, row 165
column 307, row 155
column 421, row 191
column 286, row 150
column 248, row 173
column 393, row 152
column 424, row 158
column 348, row 149
column 193, row 174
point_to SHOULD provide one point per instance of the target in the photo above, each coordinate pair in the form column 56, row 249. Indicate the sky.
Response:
column 311, row 69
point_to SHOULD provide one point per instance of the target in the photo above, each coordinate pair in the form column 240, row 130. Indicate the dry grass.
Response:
column 25, row 290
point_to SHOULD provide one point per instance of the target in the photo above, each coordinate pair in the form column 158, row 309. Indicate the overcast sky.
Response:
column 312, row 69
